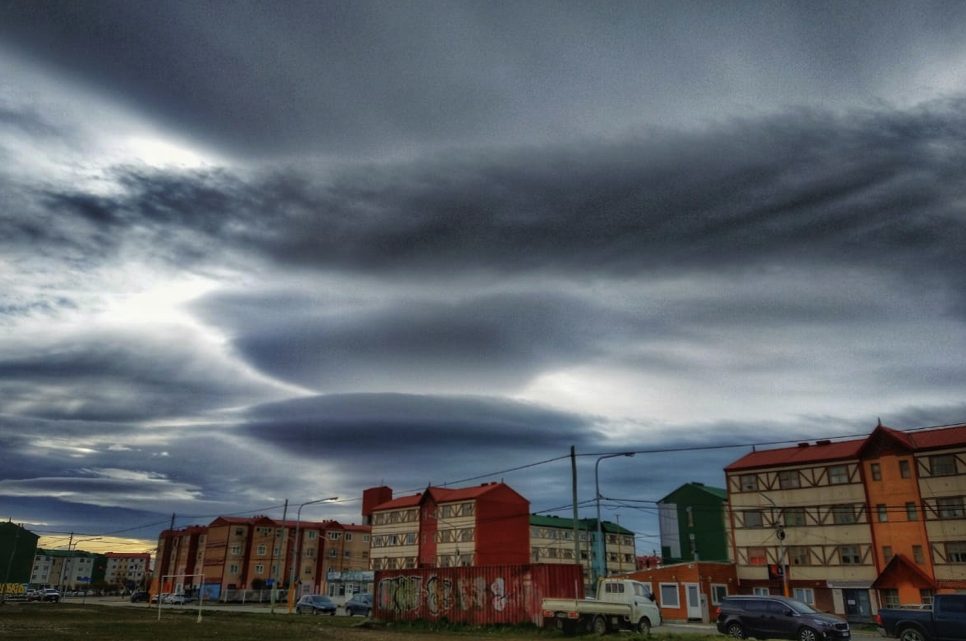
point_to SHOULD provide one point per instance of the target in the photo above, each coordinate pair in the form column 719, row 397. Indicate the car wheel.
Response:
column 644, row 626
column 808, row 634
column 599, row 626
column 735, row 630
column 911, row 634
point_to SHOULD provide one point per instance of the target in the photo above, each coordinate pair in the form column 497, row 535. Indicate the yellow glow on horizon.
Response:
column 102, row 545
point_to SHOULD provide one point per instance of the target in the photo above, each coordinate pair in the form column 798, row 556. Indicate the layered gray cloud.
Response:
column 256, row 254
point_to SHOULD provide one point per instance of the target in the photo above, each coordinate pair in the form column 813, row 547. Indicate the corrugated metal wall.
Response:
column 488, row 595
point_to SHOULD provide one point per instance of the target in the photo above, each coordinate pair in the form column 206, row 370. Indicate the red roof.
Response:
column 841, row 450
column 797, row 455
column 440, row 495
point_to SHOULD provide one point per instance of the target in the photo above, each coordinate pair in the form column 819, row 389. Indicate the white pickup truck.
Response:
column 620, row 604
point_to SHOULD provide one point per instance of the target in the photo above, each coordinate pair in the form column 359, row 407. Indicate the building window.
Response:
column 917, row 554
column 333, row 553
column 757, row 556
column 950, row 507
column 956, row 552
column 789, row 480
column 794, row 517
column 335, row 536
column 883, row 512
column 753, row 518
column 797, row 555
column 760, row 591
column 239, row 531
column 849, row 555
column 925, row 596
column 838, row 474
column 805, row 595
column 311, row 535
column 876, row 471
column 886, row 553
column 235, row 549
column 843, row 514
column 904, row 470
column 669, row 595
column 911, row 512
column 942, row 465
column 365, row 538
column 718, row 592
column 348, row 536
column 259, row 568
column 233, row 568
column 890, row 597
column 749, row 482
column 261, row 550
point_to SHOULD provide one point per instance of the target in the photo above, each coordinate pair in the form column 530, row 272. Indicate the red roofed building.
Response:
column 486, row 524
column 862, row 524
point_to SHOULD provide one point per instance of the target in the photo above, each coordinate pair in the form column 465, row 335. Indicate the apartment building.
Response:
column 233, row 554
column 552, row 541
column 860, row 524
column 126, row 569
column 68, row 570
column 448, row 527
column 693, row 524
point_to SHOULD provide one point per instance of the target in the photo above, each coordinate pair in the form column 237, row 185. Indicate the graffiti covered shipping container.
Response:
column 496, row 594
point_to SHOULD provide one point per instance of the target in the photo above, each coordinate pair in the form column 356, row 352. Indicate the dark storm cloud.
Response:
column 117, row 377
column 872, row 189
column 421, row 426
column 494, row 341
column 355, row 77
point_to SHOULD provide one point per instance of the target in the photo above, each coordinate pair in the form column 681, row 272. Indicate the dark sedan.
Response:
column 315, row 604
column 359, row 604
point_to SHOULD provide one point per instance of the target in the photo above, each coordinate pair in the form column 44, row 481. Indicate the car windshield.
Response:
column 801, row 608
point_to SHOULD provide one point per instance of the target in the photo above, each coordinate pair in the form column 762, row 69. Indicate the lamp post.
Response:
column 780, row 535
column 297, row 547
column 599, row 565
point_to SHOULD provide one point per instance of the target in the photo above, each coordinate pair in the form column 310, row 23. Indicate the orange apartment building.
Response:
column 488, row 524
column 236, row 554
column 863, row 524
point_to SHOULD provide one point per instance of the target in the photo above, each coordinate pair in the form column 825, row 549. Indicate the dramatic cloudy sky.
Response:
column 257, row 251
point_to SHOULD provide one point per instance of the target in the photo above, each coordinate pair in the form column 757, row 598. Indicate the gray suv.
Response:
column 778, row 617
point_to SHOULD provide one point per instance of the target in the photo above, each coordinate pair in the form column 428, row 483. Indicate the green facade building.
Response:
column 692, row 520
column 17, row 548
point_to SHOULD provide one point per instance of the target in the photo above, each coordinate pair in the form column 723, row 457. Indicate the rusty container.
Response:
column 484, row 595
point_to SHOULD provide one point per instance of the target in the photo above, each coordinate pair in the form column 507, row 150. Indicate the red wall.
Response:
column 502, row 528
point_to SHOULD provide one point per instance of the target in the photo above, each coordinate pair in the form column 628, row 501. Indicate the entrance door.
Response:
column 857, row 606
column 693, row 597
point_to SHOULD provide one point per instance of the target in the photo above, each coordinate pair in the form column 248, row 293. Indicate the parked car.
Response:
column 51, row 595
column 360, row 603
column 139, row 596
column 315, row 604
column 778, row 617
column 945, row 621
column 177, row 599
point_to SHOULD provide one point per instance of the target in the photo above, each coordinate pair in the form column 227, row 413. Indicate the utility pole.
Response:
column 280, row 548
column 573, row 477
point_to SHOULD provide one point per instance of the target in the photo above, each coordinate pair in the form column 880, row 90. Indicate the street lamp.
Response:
column 297, row 546
column 599, row 565
column 780, row 535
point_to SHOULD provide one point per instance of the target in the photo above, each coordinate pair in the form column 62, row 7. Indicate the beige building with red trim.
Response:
column 863, row 523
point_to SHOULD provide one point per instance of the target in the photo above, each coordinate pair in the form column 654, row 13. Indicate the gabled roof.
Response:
column 716, row 492
column 443, row 495
column 901, row 570
column 914, row 441
column 587, row 525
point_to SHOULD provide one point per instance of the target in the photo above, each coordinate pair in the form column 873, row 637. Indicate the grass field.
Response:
column 76, row 622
